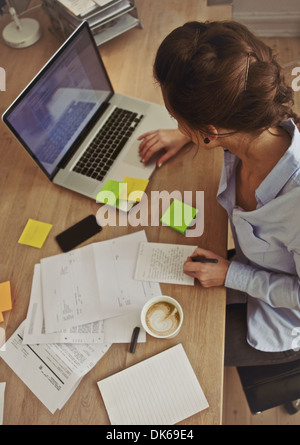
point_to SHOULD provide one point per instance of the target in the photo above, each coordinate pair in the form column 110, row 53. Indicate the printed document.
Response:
column 69, row 289
column 52, row 372
column 113, row 330
column 93, row 283
column 34, row 332
column 162, row 390
column 163, row 263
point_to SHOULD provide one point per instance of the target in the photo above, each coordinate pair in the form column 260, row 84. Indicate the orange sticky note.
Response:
column 5, row 298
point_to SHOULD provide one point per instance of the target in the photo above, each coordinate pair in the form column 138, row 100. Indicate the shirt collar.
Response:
column 284, row 169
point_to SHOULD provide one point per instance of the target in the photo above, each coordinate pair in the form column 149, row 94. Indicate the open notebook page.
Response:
column 163, row 263
column 161, row 390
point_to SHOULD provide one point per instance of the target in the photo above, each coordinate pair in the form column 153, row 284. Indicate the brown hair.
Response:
column 219, row 73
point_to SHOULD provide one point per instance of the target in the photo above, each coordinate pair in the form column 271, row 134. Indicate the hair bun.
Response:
column 219, row 73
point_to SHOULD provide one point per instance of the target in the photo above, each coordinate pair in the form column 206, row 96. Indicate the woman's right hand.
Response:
column 171, row 141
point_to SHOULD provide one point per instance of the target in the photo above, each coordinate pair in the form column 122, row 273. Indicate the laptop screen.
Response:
column 54, row 109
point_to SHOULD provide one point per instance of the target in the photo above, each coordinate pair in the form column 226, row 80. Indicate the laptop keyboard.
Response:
column 107, row 144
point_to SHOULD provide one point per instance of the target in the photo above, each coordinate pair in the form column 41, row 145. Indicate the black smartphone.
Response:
column 78, row 233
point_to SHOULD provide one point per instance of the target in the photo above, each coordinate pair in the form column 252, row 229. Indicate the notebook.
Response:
column 161, row 390
column 75, row 127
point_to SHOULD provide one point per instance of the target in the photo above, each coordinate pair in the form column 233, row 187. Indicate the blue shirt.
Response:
column 267, row 241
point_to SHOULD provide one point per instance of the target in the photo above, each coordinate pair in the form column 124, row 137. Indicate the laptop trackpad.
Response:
column 132, row 157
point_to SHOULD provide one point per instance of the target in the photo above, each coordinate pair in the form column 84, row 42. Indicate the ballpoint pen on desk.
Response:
column 202, row 259
column 134, row 339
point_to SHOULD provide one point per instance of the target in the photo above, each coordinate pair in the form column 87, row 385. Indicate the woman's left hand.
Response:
column 208, row 274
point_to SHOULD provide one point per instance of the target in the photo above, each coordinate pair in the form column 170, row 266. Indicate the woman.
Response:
column 225, row 88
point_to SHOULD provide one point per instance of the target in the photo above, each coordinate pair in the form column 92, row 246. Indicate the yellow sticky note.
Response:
column 35, row 233
column 5, row 298
column 135, row 189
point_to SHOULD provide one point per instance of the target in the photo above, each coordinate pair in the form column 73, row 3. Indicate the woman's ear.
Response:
column 211, row 134
column 207, row 138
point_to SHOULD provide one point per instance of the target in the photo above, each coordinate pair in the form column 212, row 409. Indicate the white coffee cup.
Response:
column 162, row 317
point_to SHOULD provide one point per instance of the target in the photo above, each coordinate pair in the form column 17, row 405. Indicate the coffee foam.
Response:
column 162, row 318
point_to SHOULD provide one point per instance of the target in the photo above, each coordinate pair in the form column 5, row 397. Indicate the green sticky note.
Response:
column 35, row 233
column 179, row 216
column 110, row 192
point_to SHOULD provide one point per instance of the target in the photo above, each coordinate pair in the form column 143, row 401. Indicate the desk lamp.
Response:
column 21, row 32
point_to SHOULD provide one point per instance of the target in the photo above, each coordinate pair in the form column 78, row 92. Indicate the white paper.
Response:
column 79, row 7
column 102, row 2
column 113, row 330
column 163, row 263
column 162, row 390
column 105, row 14
column 119, row 329
column 115, row 264
column 34, row 332
column 69, row 288
column 52, row 372
column 90, row 284
column 2, row 391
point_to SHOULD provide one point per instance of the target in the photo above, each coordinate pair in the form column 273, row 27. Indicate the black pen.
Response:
column 134, row 339
column 202, row 259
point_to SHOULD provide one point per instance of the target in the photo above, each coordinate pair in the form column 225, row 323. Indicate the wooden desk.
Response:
column 27, row 193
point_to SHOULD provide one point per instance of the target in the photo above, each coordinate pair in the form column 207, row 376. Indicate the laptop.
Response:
column 75, row 127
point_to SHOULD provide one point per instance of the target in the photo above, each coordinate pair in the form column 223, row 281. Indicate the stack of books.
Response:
column 106, row 18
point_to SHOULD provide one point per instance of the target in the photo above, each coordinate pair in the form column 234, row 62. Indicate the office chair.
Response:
column 269, row 386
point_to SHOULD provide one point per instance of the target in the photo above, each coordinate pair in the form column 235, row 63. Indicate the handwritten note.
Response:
column 161, row 390
column 163, row 263
column 35, row 233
